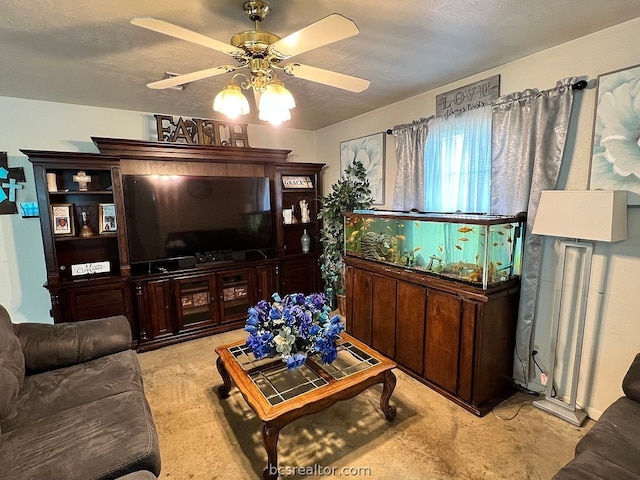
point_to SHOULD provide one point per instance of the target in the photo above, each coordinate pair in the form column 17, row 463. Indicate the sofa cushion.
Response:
column 51, row 392
column 46, row 346
column 591, row 466
column 631, row 381
column 100, row 440
column 11, row 364
column 615, row 435
column 139, row 475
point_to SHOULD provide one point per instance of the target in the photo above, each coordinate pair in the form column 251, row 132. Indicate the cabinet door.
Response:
column 359, row 309
column 383, row 315
column 298, row 275
column 411, row 301
column 442, row 344
column 235, row 295
column 266, row 282
column 158, row 309
column 96, row 302
column 195, row 302
column 470, row 312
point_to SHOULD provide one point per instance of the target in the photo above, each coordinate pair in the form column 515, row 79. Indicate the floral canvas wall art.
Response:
column 615, row 155
column 370, row 151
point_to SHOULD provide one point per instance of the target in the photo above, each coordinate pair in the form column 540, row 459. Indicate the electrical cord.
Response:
column 553, row 387
column 509, row 403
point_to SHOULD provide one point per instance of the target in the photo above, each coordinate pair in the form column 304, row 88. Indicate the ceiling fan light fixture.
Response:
column 261, row 52
column 231, row 102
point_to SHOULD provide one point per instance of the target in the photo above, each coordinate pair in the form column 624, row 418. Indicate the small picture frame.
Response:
column 107, row 218
column 62, row 219
column 287, row 216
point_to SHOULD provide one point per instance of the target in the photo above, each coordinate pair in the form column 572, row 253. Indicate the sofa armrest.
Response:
column 50, row 346
column 631, row 381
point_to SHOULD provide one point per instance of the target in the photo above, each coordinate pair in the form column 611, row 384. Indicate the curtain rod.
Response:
column 579, row 85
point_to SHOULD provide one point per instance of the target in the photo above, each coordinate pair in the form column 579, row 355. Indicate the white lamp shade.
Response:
column 599, row 215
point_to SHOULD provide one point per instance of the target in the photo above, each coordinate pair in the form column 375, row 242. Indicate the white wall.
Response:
column 613, row 333
column 35, row 125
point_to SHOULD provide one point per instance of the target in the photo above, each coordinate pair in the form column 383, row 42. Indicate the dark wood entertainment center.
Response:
column 179, row 300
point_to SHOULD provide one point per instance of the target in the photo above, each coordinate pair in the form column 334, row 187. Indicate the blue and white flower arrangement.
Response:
column 294, row 327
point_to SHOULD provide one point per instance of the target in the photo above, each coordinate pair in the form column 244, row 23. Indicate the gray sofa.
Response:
column 72, row 403
column 611, row 449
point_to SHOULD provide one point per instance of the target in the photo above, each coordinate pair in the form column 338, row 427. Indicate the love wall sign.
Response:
column 463, row 99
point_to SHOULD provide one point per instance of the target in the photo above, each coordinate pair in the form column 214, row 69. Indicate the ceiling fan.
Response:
column 262, row 53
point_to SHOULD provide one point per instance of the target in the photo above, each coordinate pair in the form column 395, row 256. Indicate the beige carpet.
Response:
column 203, row 437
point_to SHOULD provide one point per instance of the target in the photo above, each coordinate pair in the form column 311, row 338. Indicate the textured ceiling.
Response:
column 86, row 52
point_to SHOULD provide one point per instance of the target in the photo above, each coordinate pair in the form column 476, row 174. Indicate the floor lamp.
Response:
column 595, row 215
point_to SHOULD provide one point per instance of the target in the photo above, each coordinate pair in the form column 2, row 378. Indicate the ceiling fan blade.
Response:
column 172, row 30
column 327, row 77
column 190, row 77
column 323, row 32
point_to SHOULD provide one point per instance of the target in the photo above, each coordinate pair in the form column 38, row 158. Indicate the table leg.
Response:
column 270, row 435
column 223, row 390
column 388, row 385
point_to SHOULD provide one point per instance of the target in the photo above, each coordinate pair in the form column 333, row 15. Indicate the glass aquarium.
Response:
column 478, row 249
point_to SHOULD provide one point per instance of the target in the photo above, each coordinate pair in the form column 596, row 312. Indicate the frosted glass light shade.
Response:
column 599, row 215
column 231, row 102
column 275, row 103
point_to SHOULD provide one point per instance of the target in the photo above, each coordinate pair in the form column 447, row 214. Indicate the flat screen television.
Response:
column 170, row 217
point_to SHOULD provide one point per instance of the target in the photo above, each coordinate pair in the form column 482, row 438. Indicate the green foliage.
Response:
column 351, row 192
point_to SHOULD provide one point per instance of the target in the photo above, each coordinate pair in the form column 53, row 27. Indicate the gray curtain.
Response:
column 410, row 138
column 528, row 139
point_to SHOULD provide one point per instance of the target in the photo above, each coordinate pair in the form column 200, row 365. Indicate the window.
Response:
column 457, row 163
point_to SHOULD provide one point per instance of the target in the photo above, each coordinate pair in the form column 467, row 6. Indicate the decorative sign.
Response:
column 296, row 182
column 467, row 98
column 90, row 268
column 9, row 178
column 199, row 131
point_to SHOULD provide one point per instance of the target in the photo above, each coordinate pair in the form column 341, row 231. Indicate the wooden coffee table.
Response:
column 280, row 396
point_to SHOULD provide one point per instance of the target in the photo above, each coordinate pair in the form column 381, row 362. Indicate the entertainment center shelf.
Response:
column 90, row 222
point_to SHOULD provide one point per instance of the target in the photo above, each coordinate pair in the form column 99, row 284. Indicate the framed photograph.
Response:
column 370, row 151
column 107, row 218
column 615, row 152
column 62, row 219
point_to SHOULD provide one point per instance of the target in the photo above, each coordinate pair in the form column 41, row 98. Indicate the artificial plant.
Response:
column 351, row 192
